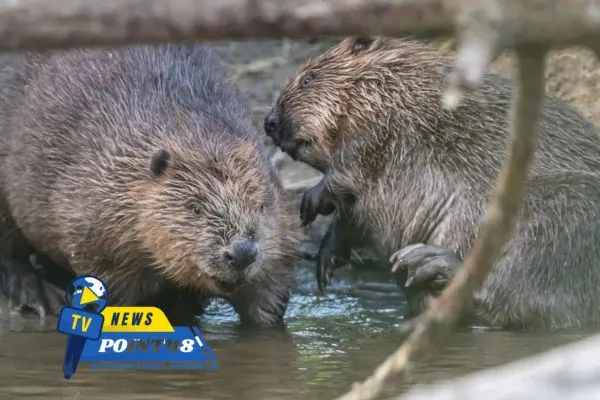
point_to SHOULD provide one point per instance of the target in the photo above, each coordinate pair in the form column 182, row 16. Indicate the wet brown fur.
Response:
column 370, row 117
column 141, row 165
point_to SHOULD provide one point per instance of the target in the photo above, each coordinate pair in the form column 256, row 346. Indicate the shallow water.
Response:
column 329, row 343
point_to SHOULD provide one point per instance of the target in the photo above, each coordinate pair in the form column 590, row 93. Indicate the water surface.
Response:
column 329, row 343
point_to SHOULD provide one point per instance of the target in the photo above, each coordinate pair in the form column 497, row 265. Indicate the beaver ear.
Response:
column 362, row 43
column 159, row 162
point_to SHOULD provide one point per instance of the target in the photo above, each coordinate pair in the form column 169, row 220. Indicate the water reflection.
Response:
column 329, row 343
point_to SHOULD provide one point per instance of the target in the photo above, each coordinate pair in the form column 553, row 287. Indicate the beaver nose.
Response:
column 241, row 253
column 271, row 123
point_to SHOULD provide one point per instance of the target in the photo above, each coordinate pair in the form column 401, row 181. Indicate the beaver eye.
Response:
column 305, row 80
column 196, row 209
column 362, row 43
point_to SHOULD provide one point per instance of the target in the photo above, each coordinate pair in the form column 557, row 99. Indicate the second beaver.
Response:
column 142, row 165
column 417, row 178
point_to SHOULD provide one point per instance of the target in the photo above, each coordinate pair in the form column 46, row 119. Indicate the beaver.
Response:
column 417, row 178
column 143, row 166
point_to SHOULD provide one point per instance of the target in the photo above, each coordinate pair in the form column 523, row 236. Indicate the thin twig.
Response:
column 495, row 229
column 36, row 24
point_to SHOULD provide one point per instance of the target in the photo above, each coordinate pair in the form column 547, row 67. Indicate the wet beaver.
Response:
column 417, row 178
column 142, row 165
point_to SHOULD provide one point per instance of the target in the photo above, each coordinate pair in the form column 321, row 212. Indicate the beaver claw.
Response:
column 26, row 291
column 333, row 254
column 426, row 268
column 316, row 200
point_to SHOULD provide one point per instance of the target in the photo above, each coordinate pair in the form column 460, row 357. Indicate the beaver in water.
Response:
column 417, row 178
column 142, row 165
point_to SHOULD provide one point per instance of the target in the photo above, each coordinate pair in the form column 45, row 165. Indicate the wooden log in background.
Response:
column 39, row 24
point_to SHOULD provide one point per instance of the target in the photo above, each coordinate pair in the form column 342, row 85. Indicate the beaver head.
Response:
column 355, row 88
column 211, row 215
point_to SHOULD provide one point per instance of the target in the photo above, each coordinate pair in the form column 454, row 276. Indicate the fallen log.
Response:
column 42, row 24
column 567, row 372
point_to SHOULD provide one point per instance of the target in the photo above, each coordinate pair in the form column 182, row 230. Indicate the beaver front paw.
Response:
column 316, row 200
column 424, row 268
column 333, row 254
column 26, row 291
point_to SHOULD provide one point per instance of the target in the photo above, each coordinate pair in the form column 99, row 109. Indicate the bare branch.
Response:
column 495, row 229
column 482, row 33
column 68, row 23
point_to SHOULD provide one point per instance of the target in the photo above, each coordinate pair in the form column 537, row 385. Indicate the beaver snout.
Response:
column 271, row 124
column 241, row 254
column 282, row 133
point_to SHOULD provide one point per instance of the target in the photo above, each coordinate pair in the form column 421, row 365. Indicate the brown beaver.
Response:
column 417, row 178
column 142, row 165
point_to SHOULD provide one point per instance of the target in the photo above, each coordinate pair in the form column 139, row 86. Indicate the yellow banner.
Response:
column 135, row 319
